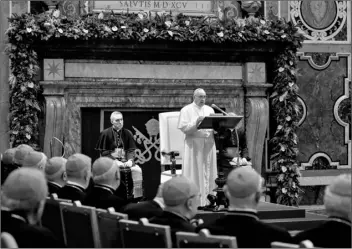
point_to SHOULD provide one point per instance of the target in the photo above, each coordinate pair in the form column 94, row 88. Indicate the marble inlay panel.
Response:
column 145, row 71
column 320, row 132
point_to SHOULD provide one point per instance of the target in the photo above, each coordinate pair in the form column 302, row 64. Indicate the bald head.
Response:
column 24, row 189
column 106, row 171
column 243, row 182
column 8, row 156
column 55, row 169
column 35, row 159
column 21, row 151
column 178, row 190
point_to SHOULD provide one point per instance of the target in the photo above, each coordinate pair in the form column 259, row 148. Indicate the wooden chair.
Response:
column 51, row 218
column 303, row 244
column 80, row 225
column 8, row 241
column 204, row 239
column 109, row 227
column 142, row 234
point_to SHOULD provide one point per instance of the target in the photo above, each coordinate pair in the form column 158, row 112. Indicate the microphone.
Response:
column 218, row 108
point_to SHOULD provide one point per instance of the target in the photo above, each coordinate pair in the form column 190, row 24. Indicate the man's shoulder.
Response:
column 127, row 131
column 107, row 130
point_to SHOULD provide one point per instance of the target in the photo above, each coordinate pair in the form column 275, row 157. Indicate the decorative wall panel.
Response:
column 322, row 21
column 323, row 136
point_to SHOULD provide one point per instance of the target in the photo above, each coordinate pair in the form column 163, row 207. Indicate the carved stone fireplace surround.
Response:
column 235, row 78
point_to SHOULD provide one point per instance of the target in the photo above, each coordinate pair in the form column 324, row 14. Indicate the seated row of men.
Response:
column 24, row 191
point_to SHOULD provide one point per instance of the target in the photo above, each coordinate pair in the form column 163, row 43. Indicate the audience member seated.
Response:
column 35, row 159
column 22, row 203
column 336, row 231
column 145, row 209
column 106, row 176
column 244, row 189
column 7, row 164
column 55, row 172
column 21, row 151
column 78, row 170
column 181, row 198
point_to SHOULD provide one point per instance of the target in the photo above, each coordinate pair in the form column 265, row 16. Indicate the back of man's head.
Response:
column 106, row 172
column 337, row 198
column 8, row 156
column 35, row 159
column 244, row 184
column 182, row 194
column 21, row 151
column 24, row 190
column 55, row 169
column 78, row 167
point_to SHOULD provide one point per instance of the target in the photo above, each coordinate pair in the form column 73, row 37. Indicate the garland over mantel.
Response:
column 26, row 30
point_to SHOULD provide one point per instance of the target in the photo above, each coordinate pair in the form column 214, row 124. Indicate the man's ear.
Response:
column 189, row 203
column 226, row 191
column 64, row 176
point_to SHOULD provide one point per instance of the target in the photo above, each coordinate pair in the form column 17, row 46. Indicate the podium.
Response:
column 219, row 124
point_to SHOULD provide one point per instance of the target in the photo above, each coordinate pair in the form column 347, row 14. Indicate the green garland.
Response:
column 27, row 29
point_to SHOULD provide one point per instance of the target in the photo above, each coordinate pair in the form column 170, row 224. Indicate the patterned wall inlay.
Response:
column 322, row 21
column 322, row 89
column 272, row 9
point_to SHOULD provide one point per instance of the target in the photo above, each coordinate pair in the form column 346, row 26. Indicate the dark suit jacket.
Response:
column 248, row 230
column 26, row 235
column 176, row 223
column 72, row 192
column 331, row 234
column 53, row 188
column 103, row 197
column 144, row 209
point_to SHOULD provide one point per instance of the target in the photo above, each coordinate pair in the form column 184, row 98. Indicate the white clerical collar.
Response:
column 340, row 220
column 159, row 202
column 75, row 184
column 106, row 187
column 199, row 107
column 56, row 184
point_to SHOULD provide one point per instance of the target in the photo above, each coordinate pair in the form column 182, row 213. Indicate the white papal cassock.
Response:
column 199, row 158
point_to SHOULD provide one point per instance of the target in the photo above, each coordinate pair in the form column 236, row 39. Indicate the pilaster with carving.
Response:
column 54, row 117
column 256, row 111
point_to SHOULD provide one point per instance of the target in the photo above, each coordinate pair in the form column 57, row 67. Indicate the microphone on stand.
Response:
column 219, row 109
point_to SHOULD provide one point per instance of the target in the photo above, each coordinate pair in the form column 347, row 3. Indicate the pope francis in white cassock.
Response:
column 199, row 158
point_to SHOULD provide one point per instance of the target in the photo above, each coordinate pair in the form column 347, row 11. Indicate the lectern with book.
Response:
column 219, row 124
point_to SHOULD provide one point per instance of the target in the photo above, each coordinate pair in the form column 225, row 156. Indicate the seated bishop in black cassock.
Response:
column 106, row 176
column 181, row 198
column 243, row 189
column 78, row 170
column 336, row 231
column 145, row 209
column 117, row 143
column 55, row 172
column 22, row 203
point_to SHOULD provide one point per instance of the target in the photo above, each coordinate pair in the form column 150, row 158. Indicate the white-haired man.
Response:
column 336, row 231
column 35, row 159
column 78, row 170
column 244, row 189
column 55, row 172
column 22, row 204
column 181, row 200
column 106, row 176
column 118, row 143
column 199, row 158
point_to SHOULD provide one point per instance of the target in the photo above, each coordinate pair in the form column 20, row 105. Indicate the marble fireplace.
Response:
column 153, row 76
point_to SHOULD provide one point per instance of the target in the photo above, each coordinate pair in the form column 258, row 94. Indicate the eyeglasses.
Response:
column 118, row 120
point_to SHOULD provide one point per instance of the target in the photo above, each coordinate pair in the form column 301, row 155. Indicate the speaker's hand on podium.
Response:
column 243, row 161
column 199, row 120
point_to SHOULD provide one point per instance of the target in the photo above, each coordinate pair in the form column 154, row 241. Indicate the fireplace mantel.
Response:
column 235, row 78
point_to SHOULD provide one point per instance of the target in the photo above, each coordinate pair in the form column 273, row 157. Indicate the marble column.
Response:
column 256, row 111
column 4, row 76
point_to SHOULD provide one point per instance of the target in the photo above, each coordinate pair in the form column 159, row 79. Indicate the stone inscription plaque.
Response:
column 167, row 5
